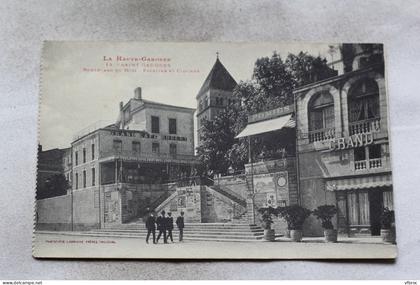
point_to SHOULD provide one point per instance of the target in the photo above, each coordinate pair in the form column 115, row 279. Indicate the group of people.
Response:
column 165, row 225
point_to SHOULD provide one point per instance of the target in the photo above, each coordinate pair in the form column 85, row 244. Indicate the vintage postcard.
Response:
column 214, row 151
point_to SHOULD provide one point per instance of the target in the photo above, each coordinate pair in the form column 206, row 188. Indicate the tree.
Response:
column 271, row 86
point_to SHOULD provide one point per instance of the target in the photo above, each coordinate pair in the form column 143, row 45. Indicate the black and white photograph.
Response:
column 214, row 151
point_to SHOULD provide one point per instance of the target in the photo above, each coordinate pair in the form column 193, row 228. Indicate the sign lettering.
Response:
column 353, row 141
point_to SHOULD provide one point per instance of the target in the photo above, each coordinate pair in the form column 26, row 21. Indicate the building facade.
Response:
column 343, row 147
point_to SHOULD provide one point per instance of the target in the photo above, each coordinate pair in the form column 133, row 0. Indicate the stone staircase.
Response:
column 192, row 231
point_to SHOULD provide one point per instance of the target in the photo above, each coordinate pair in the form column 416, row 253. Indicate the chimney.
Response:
column 121, row 105
column 137, row 93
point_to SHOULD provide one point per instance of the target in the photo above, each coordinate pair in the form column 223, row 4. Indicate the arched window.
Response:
column 321, row 117
column 363, row 107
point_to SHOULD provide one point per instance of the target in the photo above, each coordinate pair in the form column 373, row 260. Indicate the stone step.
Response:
column 141, row 236
column 142, row 228
column 256, row 233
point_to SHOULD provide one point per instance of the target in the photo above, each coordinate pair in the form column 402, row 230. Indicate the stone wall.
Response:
column 56, row 213
column 235, row 183
column 187, row 200
column 216, row 208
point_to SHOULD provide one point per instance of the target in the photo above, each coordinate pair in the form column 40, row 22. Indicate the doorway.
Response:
column 375, row 209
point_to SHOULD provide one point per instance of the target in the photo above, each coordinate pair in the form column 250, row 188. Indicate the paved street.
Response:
column 48, row 245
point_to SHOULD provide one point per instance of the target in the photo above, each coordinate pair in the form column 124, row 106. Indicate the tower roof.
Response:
column 218, row 78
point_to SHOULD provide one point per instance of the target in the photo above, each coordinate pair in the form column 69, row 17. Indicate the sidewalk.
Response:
column 71, row 246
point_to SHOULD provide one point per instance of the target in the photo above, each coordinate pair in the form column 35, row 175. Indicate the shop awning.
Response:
column 364, row 182
column 267, row 126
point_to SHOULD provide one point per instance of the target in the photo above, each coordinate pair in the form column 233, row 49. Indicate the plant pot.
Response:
column 330, row 235
column 388, row 235
column 269, row 235
column 296, row 235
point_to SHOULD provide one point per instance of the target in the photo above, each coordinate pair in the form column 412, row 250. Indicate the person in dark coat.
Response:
column 170, row 226
column 151, row 227
column 161, row 226
column 180, row 225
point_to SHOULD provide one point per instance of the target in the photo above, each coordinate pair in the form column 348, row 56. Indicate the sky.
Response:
column 76, row 91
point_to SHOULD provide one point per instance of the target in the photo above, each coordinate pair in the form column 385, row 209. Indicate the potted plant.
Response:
column 388, row 226
column 325, row 213
column 294, row 216
column 267, row 221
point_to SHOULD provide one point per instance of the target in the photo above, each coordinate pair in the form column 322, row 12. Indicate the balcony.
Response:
column 365, row 126
column 368, row 164
column 321, row 135
column 129, row 155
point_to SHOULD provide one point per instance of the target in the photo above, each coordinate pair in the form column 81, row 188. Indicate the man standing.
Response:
column 161, row 226
column 170, row 226
column 180, row 225
column 151, row 227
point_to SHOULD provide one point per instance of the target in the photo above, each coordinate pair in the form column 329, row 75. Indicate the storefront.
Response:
column 361, row 201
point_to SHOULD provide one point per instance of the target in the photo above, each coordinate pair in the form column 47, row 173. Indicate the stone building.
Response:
column 215, row 95
column 120, row 171
column 343, row 144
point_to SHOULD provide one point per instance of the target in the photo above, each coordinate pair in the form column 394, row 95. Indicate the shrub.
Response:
column 325, row 213
column 294, row 215
column 387, row 219
column 267, row 216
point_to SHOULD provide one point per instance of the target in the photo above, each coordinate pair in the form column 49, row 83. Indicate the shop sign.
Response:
column 270, row 114
column 353, row 141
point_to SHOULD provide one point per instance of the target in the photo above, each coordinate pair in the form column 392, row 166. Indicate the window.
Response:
column 172, row 126
column 172, row 149
column 93, row 177
column 84, row 178
column 93, row 151
column 76, row 158
column 364, row 101
column 155, row 147
column 117, row 145
column 84, row 155
column 368, row 157
column 155, row 125
column 136, row 147
column 321, row 112
column 77, row 181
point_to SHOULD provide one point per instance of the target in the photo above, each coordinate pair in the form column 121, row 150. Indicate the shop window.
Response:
column 155, row 125
column 172, row 126
column 117, row 146
column 155, row 147
column 136, row 147
column 363, row 107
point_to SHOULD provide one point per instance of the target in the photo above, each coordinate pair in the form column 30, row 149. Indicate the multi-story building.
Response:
column 215, row 95
column 343, row 143
column 124, row 168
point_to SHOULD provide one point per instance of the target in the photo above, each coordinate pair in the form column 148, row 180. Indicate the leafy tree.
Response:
column 271, row 86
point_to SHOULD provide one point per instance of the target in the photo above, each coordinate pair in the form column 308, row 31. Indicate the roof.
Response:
column 218, row 78
column 266, row 126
